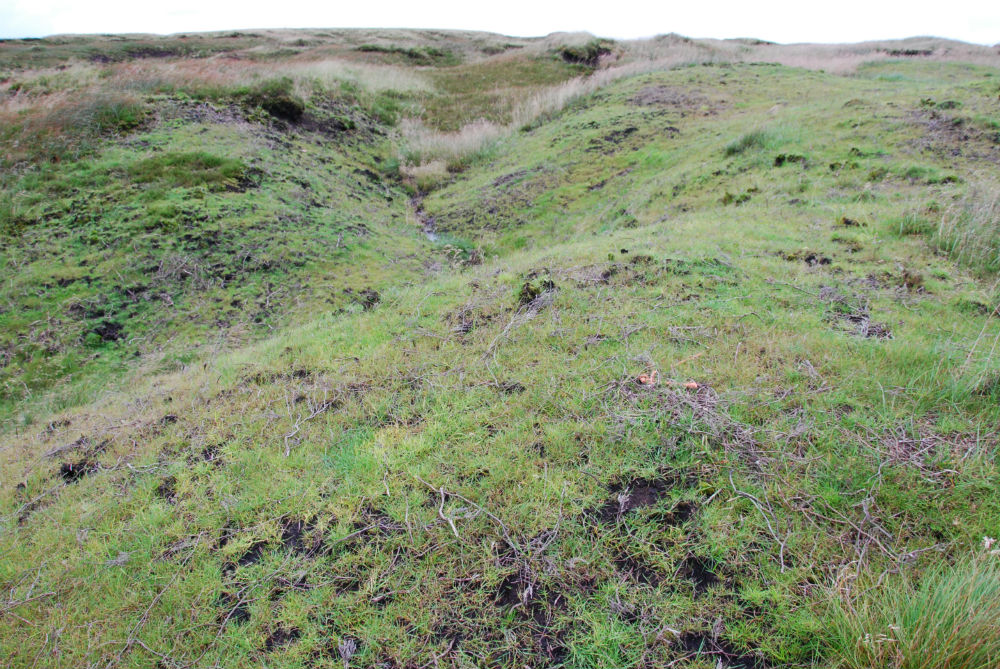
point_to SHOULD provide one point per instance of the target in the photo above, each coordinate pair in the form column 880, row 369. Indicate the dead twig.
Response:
column 768, row 515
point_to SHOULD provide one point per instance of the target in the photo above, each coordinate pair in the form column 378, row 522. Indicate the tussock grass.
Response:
column 424, row 145
column 946, row 619
column 970, row 230
column 58, row 126
column 755, row 139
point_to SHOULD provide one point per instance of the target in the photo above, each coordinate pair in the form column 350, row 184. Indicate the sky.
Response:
column 775, row 20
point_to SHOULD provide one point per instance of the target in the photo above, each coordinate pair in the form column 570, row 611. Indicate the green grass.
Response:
column 427, row 55
column 970, row 232
column 947, row 619
column 753, row 140
column 254, row 416
column 179, row 170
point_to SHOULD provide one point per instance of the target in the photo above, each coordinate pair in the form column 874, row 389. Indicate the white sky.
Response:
column 776, row 20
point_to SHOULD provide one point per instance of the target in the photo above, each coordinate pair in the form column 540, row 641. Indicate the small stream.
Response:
column 426, row 222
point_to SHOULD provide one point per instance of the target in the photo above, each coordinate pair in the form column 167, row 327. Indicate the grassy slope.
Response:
column 480, row 481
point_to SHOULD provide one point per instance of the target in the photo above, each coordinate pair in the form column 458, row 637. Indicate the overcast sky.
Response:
column 776, row 20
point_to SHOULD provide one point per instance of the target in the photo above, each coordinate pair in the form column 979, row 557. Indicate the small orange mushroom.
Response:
column 648, row 379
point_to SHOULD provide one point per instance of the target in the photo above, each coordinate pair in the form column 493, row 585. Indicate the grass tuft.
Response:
column 970, row 231
column 277, row 98
column 755, row 139
column 948, row 619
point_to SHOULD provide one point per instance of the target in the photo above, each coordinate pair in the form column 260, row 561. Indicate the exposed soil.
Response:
column 783, row 159
column 532, row 292
column 727, row 657
column 167, row 490
column 537, row 606
column 109, row 331
column 638, row 569
column 71, row 472
column 609, row 143
column 251, row 556
column 811, row 258
column 281, row 637
column 631, row 495
column 82, row 443
column 700, row 571
column 954, row 136
column 368, row 298
column 233, row 610
column 865, row 327
column 510, row 387
column 301, row 538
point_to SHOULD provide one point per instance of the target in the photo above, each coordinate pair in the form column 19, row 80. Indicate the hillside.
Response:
column 420, row 348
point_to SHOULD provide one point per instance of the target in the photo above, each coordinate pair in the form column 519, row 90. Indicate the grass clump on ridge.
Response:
column 69, row 127
column 947, row 619
column 277, row 97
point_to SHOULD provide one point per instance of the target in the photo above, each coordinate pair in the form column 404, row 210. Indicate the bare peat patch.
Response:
column 700, row 571
column 71, row 472
column 700, row 644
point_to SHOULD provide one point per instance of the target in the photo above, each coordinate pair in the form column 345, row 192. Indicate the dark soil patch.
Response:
column 588, row 54
column 248, row 180
column 211, row 454
column 632, row 495
column 467, row 319
column 811, row 258
column 371, row 526
column 167, row 490
column 234, row 610
column 783, row 159
column 327, row 126
column 71, row 472
column 614, row 138
column 509, row 178
column 865, row 327
column 948, row 135
column 700, row 571
column 251, row 556
column 368, row 298
column 281, row 637
column 109, row 331
column 681, row 513
column 368, row 174
column 511, row 387
column 295, row 536
column 531, row 291
column 537, row 606
column 702, row 644
column 513, row 590
column 639, row 569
